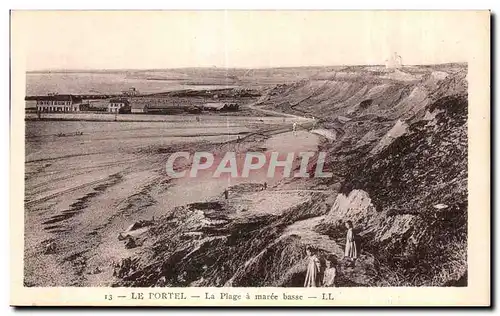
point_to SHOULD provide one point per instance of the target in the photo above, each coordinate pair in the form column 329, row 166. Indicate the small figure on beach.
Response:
column 294, row 128
column 313, row 268
column 50, row 248
column 226, row 194
column 330, row 272
column 351, row 253
column 265, row 185
column 314, row 123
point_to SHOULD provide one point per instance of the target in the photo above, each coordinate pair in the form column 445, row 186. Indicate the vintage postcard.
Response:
column 250, row 158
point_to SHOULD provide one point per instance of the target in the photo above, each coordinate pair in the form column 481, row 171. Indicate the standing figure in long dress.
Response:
column 294, row 128
column 351, row 253
column 330, row 273
column 313, row 269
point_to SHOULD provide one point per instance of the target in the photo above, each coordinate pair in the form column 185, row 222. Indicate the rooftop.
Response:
column 55, row 97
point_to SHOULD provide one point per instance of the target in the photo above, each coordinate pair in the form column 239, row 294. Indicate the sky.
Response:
column 242, row 39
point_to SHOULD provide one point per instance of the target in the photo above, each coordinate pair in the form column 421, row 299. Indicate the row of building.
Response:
column 63, row 103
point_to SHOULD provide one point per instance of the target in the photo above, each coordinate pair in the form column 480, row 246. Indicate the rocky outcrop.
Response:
column 409, row 200
column 398, row 130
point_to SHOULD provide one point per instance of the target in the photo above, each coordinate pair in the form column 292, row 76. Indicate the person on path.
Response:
column 226, row 194
column 294, row 128
column 313, row 269
column 351, row 252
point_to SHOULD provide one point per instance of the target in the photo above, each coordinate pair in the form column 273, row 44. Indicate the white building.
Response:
column 137, row 109
column 57, row 103
column 115, row 105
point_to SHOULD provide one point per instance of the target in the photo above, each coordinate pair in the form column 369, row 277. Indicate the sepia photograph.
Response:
column 293, row 150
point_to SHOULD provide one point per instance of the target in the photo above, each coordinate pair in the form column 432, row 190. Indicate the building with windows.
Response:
column 118, row 106
column 57, row 103
column 130, row 92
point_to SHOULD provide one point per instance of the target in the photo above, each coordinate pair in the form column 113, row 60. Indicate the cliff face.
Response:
column 360, row 91
column 401, row 159
column 409, row 201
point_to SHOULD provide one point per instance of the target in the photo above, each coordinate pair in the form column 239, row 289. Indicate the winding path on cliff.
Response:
column 307, row 122
column 272, row 112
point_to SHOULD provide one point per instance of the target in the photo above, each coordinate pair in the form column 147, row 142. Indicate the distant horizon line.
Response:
column 60, row 70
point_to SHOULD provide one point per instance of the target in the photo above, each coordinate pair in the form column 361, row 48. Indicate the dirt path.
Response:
column 272, row 112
